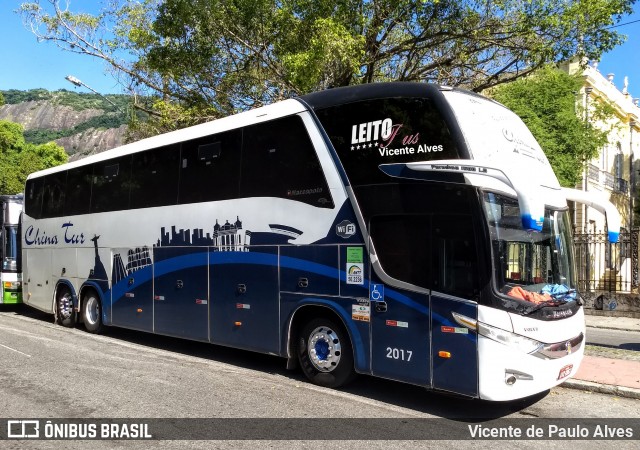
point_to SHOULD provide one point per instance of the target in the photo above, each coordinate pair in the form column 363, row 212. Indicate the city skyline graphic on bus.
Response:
column 229, row 237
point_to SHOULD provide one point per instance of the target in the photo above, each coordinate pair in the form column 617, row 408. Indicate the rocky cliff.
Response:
column 78, row 126
column 92, row 141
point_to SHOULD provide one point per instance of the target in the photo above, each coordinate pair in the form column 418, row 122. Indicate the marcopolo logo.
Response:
column 345, row 229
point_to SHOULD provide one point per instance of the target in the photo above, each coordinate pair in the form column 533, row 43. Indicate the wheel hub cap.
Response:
column 324, row 349
column 65, row 306
column 93, row 310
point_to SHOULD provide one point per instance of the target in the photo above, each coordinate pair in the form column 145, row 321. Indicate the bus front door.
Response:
column 456, row 289
column 455, row 354
column 414, row 335
column 399, row 334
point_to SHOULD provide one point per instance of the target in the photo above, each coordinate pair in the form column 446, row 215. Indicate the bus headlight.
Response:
column 522, row 343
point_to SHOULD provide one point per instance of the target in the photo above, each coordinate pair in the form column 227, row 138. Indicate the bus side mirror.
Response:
column 601, row 204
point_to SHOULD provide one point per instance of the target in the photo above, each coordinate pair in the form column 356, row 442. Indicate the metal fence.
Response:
column 605, row 267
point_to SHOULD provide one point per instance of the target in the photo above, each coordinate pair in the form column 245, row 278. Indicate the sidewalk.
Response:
column 616, row 376
column 613, row 323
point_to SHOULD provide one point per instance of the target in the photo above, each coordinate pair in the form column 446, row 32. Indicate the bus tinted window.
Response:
column 33, row 197
column 423, row 234
column 455, row 263
column 402, row 243
column 154, row 177
column 279, row 160
column 110, row 186
column 54, row 194
column 383, row 131
column 210, row 168
column 78, row 194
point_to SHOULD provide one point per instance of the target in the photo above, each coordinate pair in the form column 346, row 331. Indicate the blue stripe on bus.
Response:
column 268, row 259
column 289, row 262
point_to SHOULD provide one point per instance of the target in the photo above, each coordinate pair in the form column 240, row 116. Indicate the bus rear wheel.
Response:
column 64, row 307
column 325, row 353
column 92, row 312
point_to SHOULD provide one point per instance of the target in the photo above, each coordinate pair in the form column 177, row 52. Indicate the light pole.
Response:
column 633, row 236
column 632, row 184
column 73, row 80
column 587, row 92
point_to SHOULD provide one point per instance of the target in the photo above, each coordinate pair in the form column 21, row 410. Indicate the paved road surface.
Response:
column 622, row 339
column 50, row 371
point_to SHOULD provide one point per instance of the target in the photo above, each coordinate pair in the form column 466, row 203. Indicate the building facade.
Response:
column 614, row 175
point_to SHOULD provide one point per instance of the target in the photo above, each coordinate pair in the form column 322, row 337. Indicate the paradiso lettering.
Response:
column 384, row 133
column 35, row 236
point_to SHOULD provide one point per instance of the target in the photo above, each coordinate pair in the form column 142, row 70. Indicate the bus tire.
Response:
column 65, row 311
column 92, row 312
column 325, row 353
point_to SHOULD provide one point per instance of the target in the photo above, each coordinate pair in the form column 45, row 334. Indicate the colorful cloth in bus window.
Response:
column 557, row 291
column 529, row 296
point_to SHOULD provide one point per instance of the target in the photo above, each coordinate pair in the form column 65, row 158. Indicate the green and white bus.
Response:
column 9, row 231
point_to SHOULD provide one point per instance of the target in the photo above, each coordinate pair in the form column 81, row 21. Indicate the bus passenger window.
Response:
column 53, row 195
column 78, row 194
column 110, row 187
column 210, row 168
column 33, row 197
column 355, row 130
column 403, row 248
column 154, row 177
column 455, row 262
column 279, row 160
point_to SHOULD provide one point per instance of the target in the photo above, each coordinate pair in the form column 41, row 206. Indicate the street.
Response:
column 622, row 339
column 50, row 371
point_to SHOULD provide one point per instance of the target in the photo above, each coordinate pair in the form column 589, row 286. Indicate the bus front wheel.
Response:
column 64, row 307
column 325, row 353
column 91, row 312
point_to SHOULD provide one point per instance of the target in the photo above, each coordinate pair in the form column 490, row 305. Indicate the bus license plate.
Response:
column 565, row 371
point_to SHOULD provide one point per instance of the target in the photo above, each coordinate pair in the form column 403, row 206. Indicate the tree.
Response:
column 19, row 158
column 211, row 57
column 547, row 103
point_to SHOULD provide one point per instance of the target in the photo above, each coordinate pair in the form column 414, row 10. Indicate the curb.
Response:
column 612, row 314
column 604, row 327
column 620, row 391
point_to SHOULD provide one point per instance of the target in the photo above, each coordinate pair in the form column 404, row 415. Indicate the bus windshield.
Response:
column 534, row 267
column 10, row 250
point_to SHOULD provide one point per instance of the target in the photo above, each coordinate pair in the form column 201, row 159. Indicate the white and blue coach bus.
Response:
column 406, row 231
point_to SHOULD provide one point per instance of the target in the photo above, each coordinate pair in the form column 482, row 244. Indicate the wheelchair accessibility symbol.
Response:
column 376, row 292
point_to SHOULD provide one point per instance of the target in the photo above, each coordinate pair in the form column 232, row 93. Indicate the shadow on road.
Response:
column 390, row 392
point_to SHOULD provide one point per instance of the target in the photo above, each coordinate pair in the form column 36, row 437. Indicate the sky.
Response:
column 26, row 64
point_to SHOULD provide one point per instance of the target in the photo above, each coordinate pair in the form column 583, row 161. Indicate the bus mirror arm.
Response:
column 599, row 203
column 530, row 200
